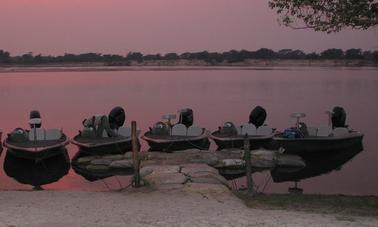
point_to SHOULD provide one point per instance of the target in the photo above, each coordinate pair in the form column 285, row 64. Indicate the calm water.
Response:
column 65, row 98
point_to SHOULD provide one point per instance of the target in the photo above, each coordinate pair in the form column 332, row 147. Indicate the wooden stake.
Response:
column 247, row 158
column 135, row 147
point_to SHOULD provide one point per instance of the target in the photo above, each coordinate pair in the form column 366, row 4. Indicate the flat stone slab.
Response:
column 161, row 169
column 165, row 178
column 101, row 162
column 192, row 168
column 231, row 163
column 207, row 177
column 98, row 168
column 122, row 164
column 87, row 159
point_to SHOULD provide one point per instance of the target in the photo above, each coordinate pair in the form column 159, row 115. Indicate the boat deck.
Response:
column 38, row 143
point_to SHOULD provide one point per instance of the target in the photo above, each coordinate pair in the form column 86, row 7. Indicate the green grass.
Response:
column 327, row 204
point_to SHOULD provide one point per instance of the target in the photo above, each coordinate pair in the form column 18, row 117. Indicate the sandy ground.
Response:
column 150, row 208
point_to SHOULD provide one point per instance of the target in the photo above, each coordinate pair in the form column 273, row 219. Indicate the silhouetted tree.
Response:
column 135, row 56
column 171, row 56
column 332, row 54
column 353, row 54
column 265, row 53
column 4, row 57
column 327, row 15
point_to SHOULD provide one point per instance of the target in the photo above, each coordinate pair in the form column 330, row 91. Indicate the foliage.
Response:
column 212, row 58
column 327, row 15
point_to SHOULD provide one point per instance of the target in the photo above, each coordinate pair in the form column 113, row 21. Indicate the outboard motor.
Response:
column 35, row 119
column 117, row 117
column 228, row 129
column 338, row 117
column 257, row 116
column 160, row 128
column 186, row 117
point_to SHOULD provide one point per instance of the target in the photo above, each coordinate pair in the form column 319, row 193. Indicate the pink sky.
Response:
column 157, row 26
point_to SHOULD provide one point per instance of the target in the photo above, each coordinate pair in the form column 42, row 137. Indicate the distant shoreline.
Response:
column 184, row 65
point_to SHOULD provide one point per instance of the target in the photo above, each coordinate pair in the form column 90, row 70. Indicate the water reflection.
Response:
column 66, row 98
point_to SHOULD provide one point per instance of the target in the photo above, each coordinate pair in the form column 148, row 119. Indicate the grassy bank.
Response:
column 324, row 204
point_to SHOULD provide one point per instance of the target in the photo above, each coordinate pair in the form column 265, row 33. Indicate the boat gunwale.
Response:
column 39, row 148
column 204, row 135
column 241, row 137
column 350, row 135
column 92, row 145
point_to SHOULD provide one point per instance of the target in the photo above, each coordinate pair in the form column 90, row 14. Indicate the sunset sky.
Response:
column 157, row 26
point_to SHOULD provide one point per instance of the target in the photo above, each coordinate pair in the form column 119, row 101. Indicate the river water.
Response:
column 66, row 98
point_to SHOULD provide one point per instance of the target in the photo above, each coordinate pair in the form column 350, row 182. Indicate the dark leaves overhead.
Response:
column 327, row 15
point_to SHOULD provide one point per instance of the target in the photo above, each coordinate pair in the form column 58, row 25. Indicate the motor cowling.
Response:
column 338, row 117
column 186, row 117
column 228, row 129
column 34, row 114
column 257, row 116
column 117, row 117
column 160, row 128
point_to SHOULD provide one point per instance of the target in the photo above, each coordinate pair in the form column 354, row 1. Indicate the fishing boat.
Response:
column 37, row 156
column 117, row 141
column 167, row 137
column 324, row 148
column 307, row 141
column 259, row 135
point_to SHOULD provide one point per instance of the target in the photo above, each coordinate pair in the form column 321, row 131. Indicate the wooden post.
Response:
column 135, row 147
column 247, row 158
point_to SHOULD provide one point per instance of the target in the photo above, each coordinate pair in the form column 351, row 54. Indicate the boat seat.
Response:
column 194, row 131
column 312, row 131
column 264, row 131
column 124, row 131
column 179, row 130
column 239, row 130
column 53, row 134
column 324, row 131
column 104, row 134
column 340, row 131
column 248, row 129
column 39, row 134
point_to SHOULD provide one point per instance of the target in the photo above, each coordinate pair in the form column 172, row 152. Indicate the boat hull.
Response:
column 103, row 147
column 237, row 142
column 318, row 145
column 321, row 155
column 39, row 171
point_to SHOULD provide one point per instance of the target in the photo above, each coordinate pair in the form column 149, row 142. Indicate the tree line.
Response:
column 232, row 56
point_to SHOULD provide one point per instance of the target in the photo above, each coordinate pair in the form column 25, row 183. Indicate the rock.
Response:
column 205, row 188
column 122, row 164
column 187, row 151
column 162, row 168
column 207, row 177
column 165, row 178
column 113, row 157
column 101, row 161
column 169, row 187
column 231, row 162
column 145, row 171
column 189, row 169
column 86, row 159
column 128, row 155
column 98, row 168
